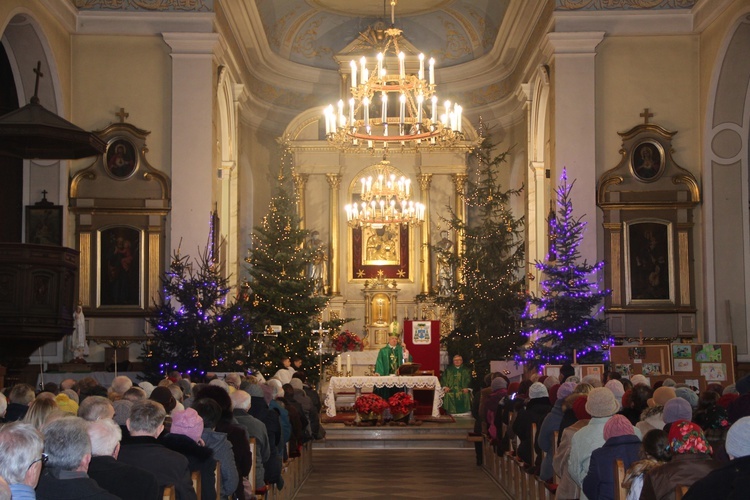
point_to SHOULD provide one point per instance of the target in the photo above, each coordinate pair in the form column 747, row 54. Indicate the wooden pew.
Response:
column 680, row 491
column 620, row 492
column 168, row 493
column 196, row 477
column 217, row 473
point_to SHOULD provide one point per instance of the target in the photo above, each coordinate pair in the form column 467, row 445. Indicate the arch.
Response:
column 228, row 95
column 25, row 43
column 726, row 224
column 538, row 185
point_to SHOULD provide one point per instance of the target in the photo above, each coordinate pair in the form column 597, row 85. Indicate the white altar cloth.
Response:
column 358, row 383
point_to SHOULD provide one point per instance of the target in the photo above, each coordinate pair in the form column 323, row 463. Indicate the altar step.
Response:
column 427, row 435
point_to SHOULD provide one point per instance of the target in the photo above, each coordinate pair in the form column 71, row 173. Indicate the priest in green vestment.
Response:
column 455, row 381
column 389, row 359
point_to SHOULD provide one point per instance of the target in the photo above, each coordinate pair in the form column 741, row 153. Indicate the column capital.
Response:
column 425, row 180
column 191, row 43
column 300, row 180
column 459, row 181
column 571, row 43
column 334, row 180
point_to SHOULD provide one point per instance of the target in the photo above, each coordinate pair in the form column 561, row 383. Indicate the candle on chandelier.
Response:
column 353, row 66
column 432, row 71
column 379, row 57
column 421, row 66
column 401, row 68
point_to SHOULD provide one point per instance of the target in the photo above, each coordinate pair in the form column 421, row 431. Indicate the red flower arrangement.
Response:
column 347, row 341
column 370, row 403
column 401, row 403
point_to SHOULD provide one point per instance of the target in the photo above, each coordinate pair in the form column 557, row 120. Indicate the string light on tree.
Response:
column 560, row 320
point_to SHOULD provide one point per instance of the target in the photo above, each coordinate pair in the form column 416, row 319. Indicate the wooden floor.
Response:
column 397, row 473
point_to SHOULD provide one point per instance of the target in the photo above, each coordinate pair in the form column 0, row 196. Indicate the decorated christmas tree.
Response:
column 281, row 291
column 561, row 320
column 486, row 295
column 194, row 330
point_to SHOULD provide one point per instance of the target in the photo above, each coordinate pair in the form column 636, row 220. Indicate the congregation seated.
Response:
column 68, row 450
column 315, row 428
column 533, row 413
column 256, row 429
column 549, row 426
column 574, row 404
column 145, row 424
column 21, row 460
column 621, row 443
column 653, row 453
column 120, row 479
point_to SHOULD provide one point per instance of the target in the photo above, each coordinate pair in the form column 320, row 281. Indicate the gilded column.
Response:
column 300, row 181
column 334, row 182
column 425, row 282
column 459, row 184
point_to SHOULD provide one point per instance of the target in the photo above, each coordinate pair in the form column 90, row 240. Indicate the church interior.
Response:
column 135, row 132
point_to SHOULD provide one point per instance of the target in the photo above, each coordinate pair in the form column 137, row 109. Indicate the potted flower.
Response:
column 369, row 407
column 401, row 404
column 347, row 341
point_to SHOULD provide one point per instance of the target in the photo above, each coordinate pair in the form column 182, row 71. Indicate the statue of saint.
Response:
column 444, row 271
column 79, row 344
column 318, row 267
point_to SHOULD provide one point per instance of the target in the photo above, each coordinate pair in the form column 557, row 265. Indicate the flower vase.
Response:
column 401, row 417
column 370, row 418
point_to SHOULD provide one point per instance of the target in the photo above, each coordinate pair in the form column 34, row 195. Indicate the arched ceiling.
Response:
column 311, row 32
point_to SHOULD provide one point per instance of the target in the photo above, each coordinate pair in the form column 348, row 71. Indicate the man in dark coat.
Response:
column 64, row 477
column 732, row 480
column 145, row 424
column 122, row 480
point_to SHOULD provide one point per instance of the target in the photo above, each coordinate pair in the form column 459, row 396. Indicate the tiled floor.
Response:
column 401, row 473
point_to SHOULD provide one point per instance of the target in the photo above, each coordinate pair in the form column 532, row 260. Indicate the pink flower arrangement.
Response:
column 401, row 403
column 370, row 403
column 347, row 341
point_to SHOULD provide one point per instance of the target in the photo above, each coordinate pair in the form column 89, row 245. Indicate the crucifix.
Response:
column 321, row 332
column 39, row 74
column 122, row 115
column 646, row 115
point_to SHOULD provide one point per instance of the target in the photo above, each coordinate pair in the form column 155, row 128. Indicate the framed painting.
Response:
column 120, row 251
column 647, row 160
column 121, row 159
column 648, row 261
column 44, row 224
column 375, row 249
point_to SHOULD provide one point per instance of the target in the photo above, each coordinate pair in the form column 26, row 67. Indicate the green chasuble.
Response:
column 387, row 363
column 455, row 401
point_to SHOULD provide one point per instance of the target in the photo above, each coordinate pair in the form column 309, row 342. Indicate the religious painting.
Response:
column 380, row 248
column 648, row 261
column 647, row 160
column 44, row 224
column 121, row 159
column 120, row 266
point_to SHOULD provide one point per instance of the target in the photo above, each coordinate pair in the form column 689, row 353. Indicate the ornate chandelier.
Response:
column 384, row 200
column 389, row 106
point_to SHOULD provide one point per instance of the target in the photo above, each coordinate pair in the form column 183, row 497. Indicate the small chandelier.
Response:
column 384, row 200
column 389, row 106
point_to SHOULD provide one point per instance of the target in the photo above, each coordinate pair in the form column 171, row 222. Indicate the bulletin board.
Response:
column 580, row 370
column 707, row 363
column 647, row 360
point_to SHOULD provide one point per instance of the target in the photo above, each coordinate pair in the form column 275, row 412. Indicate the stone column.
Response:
column 425, row 254
column 574, row 123
column 459, row 187
column 300, row 181
column 334, row 245
column 192, row 138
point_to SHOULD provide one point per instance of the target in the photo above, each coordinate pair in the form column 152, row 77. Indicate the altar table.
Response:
column 358, row 383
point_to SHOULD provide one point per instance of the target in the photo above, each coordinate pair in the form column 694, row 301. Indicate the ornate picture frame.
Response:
column 647, row 160
column 649, row 262
column 44, row 224
column 121, row 158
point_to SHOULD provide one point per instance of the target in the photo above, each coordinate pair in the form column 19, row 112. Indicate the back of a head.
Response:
column 96, row 407
column 217, row 382
column 66, row 442
column 655, row 445
column 3, row 404
column 566, row 371
column 87, row 385
column 176, row 391
column 145, row 417
column 162, row 395
column 593, row 380
column 22, row 394
column 122, row 411
column 219, row 395
column 52, row 387
column 738, row 438
column 241, row 400
column 301, row 376
column 104, row 435
column 134, row 394
column 639, row 397
column 233, row 379
column 39, row 409
column 209, row 410
column 121, row 384
column 21, row 444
